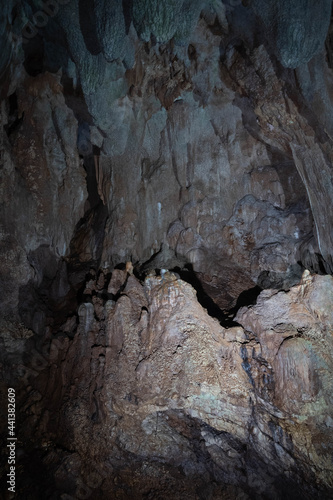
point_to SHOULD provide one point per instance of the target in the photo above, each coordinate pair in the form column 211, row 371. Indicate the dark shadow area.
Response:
column 75, row 100
column 121, row 266
column 13, row 120
column 316, row 264
column 247, row 298
column 87, row 240
column 93, row 196
column 83, row 140
column 141, row 271
column 187, row 274
column 34, row 55
column 35, row 476
column 58, row 286
column 48, row 299
column 309, row 257
column 225, row 318
column 88, row 25
column 127, row 11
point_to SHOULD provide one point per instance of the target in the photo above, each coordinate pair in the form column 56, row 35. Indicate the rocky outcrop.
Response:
column 152, row 396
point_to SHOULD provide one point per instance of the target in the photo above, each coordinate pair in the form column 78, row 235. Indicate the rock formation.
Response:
column 167, row 248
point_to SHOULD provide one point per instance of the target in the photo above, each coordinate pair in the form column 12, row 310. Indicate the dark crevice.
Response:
column 116, row 296
column 75, row 100
column 34, row 55
column 315, row 263
column 88, row 238
column 89, row 233
column 187, row 274
column 90, row 230
column 81, row 296
column 88, row 25
column 93, row 196
column 225, row 318
column 329, row 43
column 141, row 270
column 245, row 299
column 246, row 364
column 14, row 121
column 127, row 11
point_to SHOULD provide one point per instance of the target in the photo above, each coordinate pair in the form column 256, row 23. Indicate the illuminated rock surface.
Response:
column 159, row 399
column 193, row 139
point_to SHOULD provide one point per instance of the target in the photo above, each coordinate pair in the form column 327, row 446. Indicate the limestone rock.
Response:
column 258, row 399
column 178, row 137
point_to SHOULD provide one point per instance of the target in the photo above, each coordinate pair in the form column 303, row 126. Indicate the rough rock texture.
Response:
column 43, row 188
column 194, row 140
column 153, row 398
column 297, row 29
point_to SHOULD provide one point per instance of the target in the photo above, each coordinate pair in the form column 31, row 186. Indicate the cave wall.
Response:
column 190, row 136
